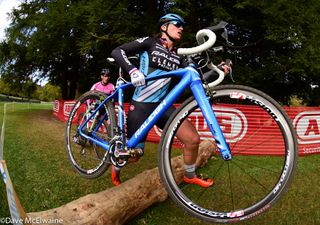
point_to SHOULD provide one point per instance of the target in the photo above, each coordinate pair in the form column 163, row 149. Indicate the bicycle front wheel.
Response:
column 264, row 155
column 87, row 158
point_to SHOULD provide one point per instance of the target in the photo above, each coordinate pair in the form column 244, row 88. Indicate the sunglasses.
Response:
column 177, row 24
column 105, row 75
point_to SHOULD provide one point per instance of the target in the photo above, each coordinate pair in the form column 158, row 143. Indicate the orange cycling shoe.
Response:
column 199, row 181
column 115, row 177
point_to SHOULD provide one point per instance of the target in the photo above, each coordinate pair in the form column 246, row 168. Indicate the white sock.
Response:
column 190, row 170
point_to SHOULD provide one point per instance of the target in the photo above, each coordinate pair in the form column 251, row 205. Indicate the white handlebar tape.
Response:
column 204, row 44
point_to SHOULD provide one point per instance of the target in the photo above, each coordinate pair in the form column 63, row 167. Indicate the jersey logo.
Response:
column 140, row 40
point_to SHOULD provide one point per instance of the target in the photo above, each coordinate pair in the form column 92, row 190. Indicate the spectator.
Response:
column 104, row 85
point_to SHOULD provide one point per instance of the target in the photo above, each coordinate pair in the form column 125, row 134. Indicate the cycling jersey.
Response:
column 155, row 58
column 106, row 88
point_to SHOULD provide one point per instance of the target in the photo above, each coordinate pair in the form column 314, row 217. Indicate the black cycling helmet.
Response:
column 171, row 18
column 105, row 71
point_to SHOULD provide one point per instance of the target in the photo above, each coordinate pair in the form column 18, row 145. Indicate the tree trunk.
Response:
column 119, row 204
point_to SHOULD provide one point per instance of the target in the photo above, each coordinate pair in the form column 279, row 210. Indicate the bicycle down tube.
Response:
column 189, row 77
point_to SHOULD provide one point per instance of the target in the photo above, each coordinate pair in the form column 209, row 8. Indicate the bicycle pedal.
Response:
column 126, row 154
column 79, row 140
column 136, row 152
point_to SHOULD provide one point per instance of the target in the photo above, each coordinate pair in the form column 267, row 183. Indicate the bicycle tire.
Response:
column 88, row 159
column 250, row 183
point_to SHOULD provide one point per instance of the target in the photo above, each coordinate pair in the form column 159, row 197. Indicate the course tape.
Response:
column 18, row 215
column 3, row 128
column 2, row 131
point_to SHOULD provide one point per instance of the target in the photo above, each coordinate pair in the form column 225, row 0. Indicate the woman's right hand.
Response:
column 137, row 78
column 226, row 66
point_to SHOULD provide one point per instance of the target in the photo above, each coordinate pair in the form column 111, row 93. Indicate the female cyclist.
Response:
column 157, row 54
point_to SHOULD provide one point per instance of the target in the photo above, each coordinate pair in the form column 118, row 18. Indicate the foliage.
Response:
column 275, row 44
column 48, row 92
column 295, row 101
column 4, row 88
column 286, row 50
column 28, row 89
column 67, row 41
column 17, row 87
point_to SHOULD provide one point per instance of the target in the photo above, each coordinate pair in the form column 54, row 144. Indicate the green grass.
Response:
column 43, row 178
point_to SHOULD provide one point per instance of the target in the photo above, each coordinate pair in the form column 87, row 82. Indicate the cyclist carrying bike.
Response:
column 244, row 183
column 158, row 55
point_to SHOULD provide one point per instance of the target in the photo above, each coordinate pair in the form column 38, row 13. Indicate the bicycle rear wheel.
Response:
column 264, row 155
column 88, row 159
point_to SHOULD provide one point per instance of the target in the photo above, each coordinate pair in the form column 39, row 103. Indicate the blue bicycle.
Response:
column 249, row 129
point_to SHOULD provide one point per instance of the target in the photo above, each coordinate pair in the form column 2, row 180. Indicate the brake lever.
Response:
column 228, row 63
column 217, row 48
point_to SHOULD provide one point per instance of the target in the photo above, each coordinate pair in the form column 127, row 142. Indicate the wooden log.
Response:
column 119, row 204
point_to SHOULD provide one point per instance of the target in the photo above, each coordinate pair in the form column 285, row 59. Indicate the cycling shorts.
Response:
column 139, row 112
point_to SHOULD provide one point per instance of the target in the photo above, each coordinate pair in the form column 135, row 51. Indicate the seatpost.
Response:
column 120, row 72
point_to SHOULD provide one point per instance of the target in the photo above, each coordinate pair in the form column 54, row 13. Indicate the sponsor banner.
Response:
column 306, row 122
column 307, row 134
column 62, row 109
column 238, row 123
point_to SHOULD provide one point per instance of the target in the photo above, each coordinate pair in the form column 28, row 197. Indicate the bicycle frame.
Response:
column 189, row 78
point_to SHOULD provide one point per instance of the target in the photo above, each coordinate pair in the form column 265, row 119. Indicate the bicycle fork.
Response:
column 211, row 119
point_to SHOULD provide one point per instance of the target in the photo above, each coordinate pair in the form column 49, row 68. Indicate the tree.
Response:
column 274, row 47
column 68, row 41
column 285, row 48
column 4, row 87
column 274, row 43
column 48, row 92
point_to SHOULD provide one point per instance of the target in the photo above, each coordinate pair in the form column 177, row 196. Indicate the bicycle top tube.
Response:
column 165, row 74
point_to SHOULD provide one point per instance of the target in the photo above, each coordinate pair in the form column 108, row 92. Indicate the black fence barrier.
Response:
column 7, row 98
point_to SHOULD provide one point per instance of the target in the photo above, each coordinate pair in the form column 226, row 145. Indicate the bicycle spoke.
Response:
column 230, row 183
column 87, row 158
column 249, row 181
column 253, row 178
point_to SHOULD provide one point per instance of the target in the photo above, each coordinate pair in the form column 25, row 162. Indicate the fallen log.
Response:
column 119, row 204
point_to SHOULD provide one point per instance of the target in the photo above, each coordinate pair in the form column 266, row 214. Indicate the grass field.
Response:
column 43, row 178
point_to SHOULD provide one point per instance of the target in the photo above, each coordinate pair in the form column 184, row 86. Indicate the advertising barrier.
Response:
column 238, row 123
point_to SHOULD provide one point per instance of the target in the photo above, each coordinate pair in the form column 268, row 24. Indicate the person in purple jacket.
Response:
column 104, row 85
